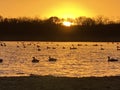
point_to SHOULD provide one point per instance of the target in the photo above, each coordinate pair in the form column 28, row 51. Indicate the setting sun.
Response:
column 67, row 23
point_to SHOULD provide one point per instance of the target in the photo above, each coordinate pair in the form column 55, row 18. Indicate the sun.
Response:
column 67, row 23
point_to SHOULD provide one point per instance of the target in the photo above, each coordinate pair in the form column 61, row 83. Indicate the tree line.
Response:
column 51, row 29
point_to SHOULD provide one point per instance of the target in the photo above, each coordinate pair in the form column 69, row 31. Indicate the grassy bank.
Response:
column 59, row 83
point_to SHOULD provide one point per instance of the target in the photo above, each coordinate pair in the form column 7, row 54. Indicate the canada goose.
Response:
column 1, row 60
column 63, row 47
column 35, row 60
column 39, row 49
column 118, row 47
column 112, row 59
column 52, row 59
column 101, row 48
column 48, row 47
column 73, row 47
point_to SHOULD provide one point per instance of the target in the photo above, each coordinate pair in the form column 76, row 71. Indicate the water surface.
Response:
column 85, row 60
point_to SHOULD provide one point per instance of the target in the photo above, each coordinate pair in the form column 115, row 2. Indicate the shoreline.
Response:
column 33, row 82
column 50, row 41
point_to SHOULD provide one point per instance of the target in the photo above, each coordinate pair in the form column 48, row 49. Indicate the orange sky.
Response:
column 60, row 8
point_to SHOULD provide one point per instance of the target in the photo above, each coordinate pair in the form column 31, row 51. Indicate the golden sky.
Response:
column 60, row 8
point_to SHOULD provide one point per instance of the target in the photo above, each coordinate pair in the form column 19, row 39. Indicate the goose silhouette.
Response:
column 1, row 60
column 73, row 47
column 35, row 60
column 52, row 59
column 112, row 59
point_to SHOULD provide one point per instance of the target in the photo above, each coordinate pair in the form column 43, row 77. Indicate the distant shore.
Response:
column 88, row 29
column 59, row 83
column 54, row 38
column 81, row 35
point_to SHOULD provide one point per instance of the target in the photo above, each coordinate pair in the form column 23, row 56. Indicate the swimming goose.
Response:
column 52, row 59
column 35, row 60
column 112, row 59
column 1, row 60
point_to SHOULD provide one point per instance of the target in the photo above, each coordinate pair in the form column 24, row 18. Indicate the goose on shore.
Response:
column 112, row 59
column 1, row 60
column 52, row 59
column 35, row 60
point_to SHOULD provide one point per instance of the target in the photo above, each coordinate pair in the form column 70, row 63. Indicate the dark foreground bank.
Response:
column 59, row 83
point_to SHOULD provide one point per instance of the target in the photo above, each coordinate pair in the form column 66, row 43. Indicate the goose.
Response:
column 39, row 49
column 118, row 48
column 63, row 47
column 35, row 60
column 1, row 60
column 101, row 48
column 112, row 59
column 53, row 48
column 73, row 47
column 52, row 59
column 48, row 47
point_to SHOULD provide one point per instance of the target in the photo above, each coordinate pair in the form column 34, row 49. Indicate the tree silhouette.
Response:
column 85, row 29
